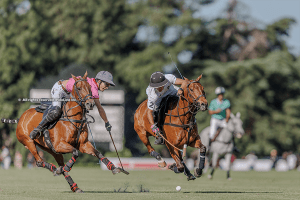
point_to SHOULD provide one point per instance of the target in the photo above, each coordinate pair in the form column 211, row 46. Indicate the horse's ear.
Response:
column 238, row 115
column 198, row 79
column 85, row 75
column 232, row 115
column 74, row 77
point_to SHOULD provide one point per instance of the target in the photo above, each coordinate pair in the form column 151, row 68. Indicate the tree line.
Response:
column 132, row 39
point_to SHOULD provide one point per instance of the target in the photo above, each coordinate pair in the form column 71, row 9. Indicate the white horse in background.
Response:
column 224, row 142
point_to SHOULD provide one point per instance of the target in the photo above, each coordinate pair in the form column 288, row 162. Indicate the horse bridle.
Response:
column 195, row 100
column 81, row 100
column 80, row 103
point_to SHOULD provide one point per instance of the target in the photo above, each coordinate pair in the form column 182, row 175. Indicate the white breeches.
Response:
column 214, row 125
column 58, row 94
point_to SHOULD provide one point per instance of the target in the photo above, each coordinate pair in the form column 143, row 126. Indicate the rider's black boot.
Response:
column 53, row 114
column 236, row 150
column 209, row 144
column 158, row 140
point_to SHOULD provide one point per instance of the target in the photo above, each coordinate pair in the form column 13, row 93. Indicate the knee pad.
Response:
column 54, row 113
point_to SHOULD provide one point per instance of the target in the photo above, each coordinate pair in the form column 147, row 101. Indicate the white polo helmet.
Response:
column 220, row 90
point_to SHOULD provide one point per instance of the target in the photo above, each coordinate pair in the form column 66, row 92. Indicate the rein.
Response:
column 193, row 108
column 190, row 107
column 80, row 103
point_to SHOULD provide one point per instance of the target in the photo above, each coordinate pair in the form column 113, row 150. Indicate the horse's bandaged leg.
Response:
column 73, row 185
column 155, row 155
column 108, row 164
column 71, row 162
column 46, row 165
column 202, row 157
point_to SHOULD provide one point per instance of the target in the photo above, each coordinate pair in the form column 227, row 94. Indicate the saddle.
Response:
column 44, row 108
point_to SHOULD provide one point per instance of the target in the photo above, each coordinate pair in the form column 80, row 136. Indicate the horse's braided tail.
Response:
column 9, row 121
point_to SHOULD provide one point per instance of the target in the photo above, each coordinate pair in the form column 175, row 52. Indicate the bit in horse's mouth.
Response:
column 203, row 108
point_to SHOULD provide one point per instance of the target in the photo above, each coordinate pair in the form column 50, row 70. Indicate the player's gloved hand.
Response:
column 180, row 92
column 154, row 128
column 224, row 124
column 108, row 126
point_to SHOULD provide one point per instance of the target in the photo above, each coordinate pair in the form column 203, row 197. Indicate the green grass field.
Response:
column 98, row 184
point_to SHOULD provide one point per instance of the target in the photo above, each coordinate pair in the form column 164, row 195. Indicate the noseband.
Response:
column 195, row 100
column 81, row 100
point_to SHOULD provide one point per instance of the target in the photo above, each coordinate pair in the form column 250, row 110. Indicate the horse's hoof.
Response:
column 58, row 171
column 162, row 164
column 116, row 171
column 229, row 179
column 191, row 177
column 79, row 191
column 171, row 167
column 198, row 172
column 209, row 176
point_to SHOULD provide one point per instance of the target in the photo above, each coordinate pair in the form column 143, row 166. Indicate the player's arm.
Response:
column 228, row 111
column 211, row 112
column 101, row 110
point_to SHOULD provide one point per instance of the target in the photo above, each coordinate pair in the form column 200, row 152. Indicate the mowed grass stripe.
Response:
column 98, row 184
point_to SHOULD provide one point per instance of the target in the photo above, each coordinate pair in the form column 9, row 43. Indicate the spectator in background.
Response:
column 251, row 157
column 18, row 160
column 298, row 162
column 291, row 160
column 284, row 155
column 274, row 157
column 5, row 158
column 30, row 161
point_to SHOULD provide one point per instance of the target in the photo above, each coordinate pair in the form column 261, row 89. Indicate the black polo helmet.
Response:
column 158, row 79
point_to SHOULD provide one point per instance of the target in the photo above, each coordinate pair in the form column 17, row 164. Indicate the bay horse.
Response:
column 69, row 135
column 179, row 127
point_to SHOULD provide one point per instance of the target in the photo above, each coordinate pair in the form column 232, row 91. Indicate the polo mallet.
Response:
column 185, row 145
column 122, row 170
column 175, row 66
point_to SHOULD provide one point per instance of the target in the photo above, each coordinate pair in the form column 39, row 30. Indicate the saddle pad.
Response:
column 44, row 106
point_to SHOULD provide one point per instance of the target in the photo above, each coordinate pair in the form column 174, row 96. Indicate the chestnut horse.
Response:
column 179, row 127
column 69, row 135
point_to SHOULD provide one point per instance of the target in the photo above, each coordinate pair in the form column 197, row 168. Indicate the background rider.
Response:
column 219, row 109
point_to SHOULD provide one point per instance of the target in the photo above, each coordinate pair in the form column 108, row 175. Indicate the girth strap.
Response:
column 184, row 126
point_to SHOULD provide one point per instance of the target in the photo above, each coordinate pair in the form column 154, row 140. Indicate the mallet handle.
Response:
column 184, row 150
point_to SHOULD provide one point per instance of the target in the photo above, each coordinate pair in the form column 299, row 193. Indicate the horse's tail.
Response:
column 10, row 121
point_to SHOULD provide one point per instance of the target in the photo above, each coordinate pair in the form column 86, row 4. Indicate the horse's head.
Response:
column 194, row 93
column 235, row 125
column 82, row 92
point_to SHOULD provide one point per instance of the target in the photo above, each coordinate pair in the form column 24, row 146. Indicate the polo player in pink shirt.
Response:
column 62, row 89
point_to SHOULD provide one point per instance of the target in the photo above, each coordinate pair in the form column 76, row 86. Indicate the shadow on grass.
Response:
column 215, row 192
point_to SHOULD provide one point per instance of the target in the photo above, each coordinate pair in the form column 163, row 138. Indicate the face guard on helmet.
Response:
column 157, row 80
column 106, row 77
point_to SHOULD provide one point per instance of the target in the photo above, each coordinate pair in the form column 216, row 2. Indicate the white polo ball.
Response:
column 178, row 188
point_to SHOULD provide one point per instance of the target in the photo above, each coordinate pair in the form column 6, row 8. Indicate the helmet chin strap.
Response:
column 98, row 84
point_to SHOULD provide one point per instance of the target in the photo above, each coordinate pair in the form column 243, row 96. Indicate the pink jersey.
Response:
column 91, row 81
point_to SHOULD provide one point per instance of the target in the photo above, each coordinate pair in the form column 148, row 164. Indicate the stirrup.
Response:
column 35, row 132
column 159, row 141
